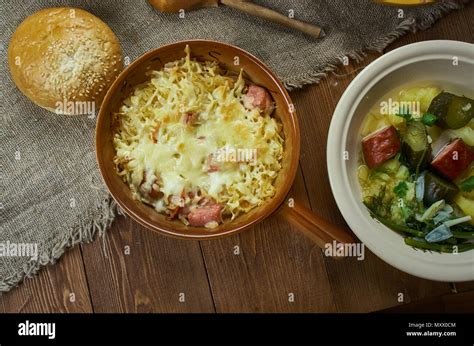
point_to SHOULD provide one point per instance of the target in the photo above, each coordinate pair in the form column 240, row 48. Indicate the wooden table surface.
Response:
column 270, row 268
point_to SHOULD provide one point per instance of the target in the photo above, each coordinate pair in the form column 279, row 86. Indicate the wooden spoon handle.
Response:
column 321, row 231
column 266, row 13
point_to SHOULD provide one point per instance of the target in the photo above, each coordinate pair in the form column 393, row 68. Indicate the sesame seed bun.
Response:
column 62, row 58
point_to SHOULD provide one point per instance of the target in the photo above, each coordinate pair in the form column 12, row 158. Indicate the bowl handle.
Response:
column 321, row 231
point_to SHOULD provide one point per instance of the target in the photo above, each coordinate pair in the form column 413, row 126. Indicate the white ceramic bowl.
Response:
column 429, row 61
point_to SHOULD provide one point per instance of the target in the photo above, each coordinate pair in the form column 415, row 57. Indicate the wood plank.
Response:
column 461, row 302
column 276, row 263
column 451, row 303
column 370, row 284
column 462, row 286
column 2, row 306
column 428, row 305
column 151, row 277
column 57, row 288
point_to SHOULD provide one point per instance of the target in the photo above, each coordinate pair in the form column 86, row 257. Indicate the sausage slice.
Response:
column 200, row 216
column 453, row 159
column 380, row 146
column 258, row 97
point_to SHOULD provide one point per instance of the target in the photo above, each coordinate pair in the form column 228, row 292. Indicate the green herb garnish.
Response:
column 429, row 119
column 467, row 185
column 401, row 189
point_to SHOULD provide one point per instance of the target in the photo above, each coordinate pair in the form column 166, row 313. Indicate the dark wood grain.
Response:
column 461, row 302
column 57, row 288
column 275, row 260
column 150, row 277
column 463, row 286
column 276, row 263
column 451, row 303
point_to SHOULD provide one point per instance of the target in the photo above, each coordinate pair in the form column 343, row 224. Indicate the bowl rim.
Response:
column 350, row 205
column 271, row 206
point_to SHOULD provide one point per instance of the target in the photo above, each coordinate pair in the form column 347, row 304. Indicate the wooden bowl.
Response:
column 225, row 54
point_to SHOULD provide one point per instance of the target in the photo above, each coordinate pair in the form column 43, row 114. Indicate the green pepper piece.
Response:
column 415, row 147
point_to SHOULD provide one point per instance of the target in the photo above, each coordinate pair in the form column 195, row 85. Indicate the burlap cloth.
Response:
column 51, row 192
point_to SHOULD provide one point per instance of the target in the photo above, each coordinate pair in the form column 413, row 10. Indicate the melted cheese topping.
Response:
column 171, row 130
